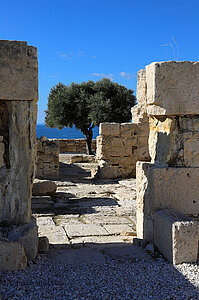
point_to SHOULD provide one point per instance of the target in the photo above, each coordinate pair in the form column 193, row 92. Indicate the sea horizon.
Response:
column 65, row 133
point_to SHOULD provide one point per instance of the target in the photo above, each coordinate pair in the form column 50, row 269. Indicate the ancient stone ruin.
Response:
column 18, row 113
column 120, row 146
column 47, row 160
column 168, row 186
column 163, row 139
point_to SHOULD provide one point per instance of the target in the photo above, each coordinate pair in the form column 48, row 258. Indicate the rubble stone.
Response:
column 43, row 188
column 12, row 256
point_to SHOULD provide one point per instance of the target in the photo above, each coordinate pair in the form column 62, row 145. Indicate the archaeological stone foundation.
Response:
column 168, row 186
column 18, row 113
column 160, row 147
column 163, row 142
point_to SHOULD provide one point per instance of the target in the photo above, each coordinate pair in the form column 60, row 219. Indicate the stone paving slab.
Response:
column 79, row 230
column 101, row 241
column 56, row 235
column 122, row 229
column 64, row 220
column 87, row 212
column 43, row 221
column 99, row 219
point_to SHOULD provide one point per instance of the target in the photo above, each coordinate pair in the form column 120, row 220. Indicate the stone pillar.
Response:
column 171, row 179
column 18, row 114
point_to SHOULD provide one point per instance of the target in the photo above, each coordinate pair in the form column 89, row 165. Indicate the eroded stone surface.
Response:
column 19, row 71
column 172, row 87
column 12, row 256
column 176, row 236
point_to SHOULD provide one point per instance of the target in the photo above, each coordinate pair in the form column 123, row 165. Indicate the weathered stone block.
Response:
column 164, row 140
column 163, row 187
column 176, row 236
column 112, row 129
column 141, row 87
column 18, row 71
column 15, row 204
column 43, row 188
column 27, row 236
column 12, row 256
column 172, row 88
column 144, row 226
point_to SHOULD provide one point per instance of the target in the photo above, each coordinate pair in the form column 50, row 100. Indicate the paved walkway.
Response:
column 85, row 212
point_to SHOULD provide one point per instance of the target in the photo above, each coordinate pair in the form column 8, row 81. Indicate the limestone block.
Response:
column 191, row 151
column 141, row 87
column 15, row 204
column 18, row 71
column 106, row 171
column 172, row 88
column 144, row 226
column 43, row 188
column 112, row 129
column 12, row 256
column 167, row 188
column 27, row 236
column 164, row 140
column 176, row 236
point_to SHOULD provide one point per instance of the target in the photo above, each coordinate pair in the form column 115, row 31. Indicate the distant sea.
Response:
column 65, row 133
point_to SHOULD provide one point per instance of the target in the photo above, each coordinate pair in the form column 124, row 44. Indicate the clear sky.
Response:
column 80, row 40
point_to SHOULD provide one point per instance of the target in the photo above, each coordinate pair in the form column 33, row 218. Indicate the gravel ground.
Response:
column 115, row 279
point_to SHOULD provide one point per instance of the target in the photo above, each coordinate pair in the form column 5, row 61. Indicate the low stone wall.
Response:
column 47, row 162
column 73, row 146
column 120, row 146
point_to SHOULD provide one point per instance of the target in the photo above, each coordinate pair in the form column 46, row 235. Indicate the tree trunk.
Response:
column 88, row 135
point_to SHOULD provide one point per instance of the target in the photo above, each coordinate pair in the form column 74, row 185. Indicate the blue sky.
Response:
column 80, row 40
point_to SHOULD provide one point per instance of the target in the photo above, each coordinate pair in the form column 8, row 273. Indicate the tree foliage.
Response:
column 88, row 104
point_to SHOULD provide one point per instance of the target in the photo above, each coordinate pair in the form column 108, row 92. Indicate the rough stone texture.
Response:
column 170, row 96
column 55, row 234
column 141, row 87
column 173, row 141
column 122, row 145
column 117, row 149
column 43, row 187
column 12, row 256
column 47, row 161
column 18, row 173
column 27, row 236
column 176, row 236
column 161, row 188
column 18, row 114
column 82, row 158
column 18, row 71
column 74, row 145
column 172, row 88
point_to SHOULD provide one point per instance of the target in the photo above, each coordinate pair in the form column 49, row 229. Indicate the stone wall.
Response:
column 18, row 114
column 117, row 146
column 167, row 187
column 47, row 161
column 74, row 145
column 120, row 146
